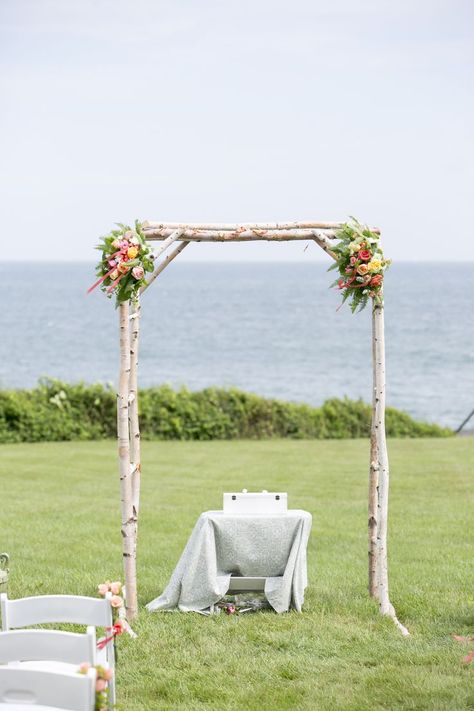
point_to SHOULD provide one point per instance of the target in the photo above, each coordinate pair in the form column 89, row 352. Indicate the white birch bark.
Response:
column 128, row 518
column 379, row 474
column 135, row 448
column 170, row 237
column 237, row 227
column 162, row 266
column 245, row 235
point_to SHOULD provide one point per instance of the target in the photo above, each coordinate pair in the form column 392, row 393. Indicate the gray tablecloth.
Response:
column 264, row 545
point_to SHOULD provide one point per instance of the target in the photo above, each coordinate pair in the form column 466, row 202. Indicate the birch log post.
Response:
column 379, row 475
column 128, row 523
column 135, row 448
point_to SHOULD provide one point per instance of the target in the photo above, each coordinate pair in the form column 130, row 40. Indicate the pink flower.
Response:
column 116, row 601
column 138, row 272
column 100, row 685
column 230, row 609
column 353, row 260
column 84, row 667
column 108, row 674
column 103, row 588
column 116, row 587
column 112, row 262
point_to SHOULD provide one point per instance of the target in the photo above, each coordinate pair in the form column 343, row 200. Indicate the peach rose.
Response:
column 116, row 244
column 116, row 587
column 362, row 269
column 100, row 685
column 138, row 272
column 84, row 667
column 108, row 674
column 103, row 588
column 116, row 601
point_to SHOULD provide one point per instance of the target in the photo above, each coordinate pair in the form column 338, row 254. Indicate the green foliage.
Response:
column 56, row 411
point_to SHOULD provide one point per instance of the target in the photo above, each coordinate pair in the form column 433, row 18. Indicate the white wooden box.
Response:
column 253, row 502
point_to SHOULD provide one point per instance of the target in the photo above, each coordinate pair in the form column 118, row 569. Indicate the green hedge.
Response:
column 56, row 411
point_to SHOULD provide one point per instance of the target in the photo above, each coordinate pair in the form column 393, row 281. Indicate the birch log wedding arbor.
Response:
column 325, row 235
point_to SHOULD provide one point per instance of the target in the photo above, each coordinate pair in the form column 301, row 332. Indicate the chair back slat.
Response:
column 74, row 692
column 43, row 609
column 50, row 645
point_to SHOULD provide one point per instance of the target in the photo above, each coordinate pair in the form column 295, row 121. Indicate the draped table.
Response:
column 272, row 546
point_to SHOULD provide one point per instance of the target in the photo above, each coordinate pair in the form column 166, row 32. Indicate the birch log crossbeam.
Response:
column 244, row 235
column 245, row 226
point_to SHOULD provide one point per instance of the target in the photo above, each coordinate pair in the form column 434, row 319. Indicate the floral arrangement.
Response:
column 104, row 676
column 120, row 623
column 126, row 258
column 361, row 265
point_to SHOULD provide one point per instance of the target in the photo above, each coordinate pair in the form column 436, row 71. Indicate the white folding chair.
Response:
column 49, row 650
column 75, row 609
column 20, row 688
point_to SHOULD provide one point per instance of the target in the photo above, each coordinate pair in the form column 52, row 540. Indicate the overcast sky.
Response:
column 260, row 110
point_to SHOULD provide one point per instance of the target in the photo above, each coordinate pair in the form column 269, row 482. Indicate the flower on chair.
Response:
column 104, row 676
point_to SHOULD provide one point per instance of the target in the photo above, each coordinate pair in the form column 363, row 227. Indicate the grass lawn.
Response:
column 60, row 523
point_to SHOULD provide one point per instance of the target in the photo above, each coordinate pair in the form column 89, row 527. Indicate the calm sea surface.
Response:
column 269, row 328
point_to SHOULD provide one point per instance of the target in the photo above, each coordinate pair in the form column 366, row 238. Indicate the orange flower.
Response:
column 362, row 269
column 132, row 252
column 376, row 280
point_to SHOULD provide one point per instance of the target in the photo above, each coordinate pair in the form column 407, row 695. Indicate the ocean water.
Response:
column 270, row 328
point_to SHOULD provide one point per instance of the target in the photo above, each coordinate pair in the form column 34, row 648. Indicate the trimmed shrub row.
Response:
column 56, row 411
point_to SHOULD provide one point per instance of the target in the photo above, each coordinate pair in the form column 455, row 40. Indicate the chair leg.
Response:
column 112, row 692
